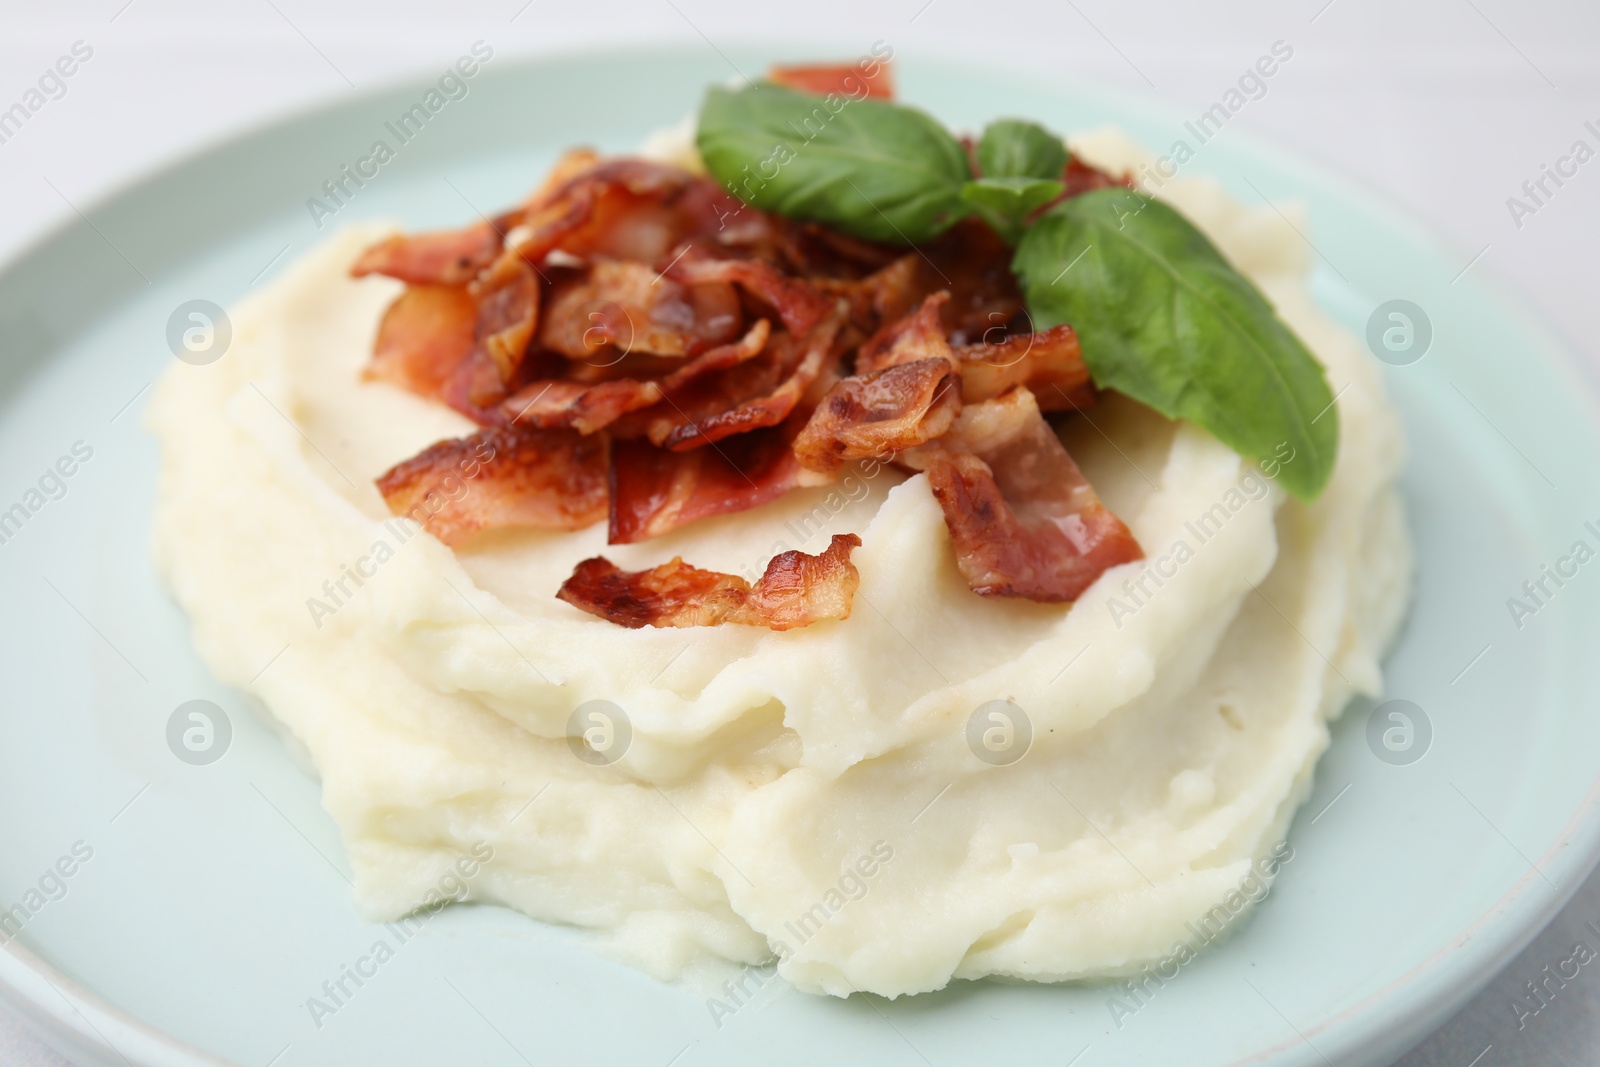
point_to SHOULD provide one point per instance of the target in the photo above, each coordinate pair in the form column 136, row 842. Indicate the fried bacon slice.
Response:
column 880, row 413
column 508, row 312
column 424, row 335
column 629, row 307
column 801, row 360
column 1022, row 518
column 974, row 264
column 499, row 477
column 653, row 490
column 626, row 208
column 1050, row 363
column 443, row 257
column 588, row 407
column 916, row 336
column 848, row 80
column 796, row 590
column 799, row 305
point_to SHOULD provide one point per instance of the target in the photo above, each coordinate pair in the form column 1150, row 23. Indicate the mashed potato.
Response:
column 940, row 786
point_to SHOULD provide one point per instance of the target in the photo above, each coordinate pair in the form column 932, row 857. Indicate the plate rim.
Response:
column 1392, row 1018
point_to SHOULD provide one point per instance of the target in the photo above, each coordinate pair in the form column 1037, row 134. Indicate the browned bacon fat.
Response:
column 797, row 590
column 1023, row 519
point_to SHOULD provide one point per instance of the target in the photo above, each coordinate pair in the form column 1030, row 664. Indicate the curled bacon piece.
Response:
column 810, row 356
column 626, row 208
column 849, row 80
column 499, row 477
column 426, row 332
column 630, row 307
column 443, row 257
column 800, row 306
column 1049, row 363
column 588, row 407
column 1023, row 519
column 916, row 336
column 797, row 589
column 879, row 414
column 508, row 310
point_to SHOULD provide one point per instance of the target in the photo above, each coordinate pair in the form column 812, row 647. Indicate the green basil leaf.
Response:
column 871, row 168
column 1006, row 203
column 1011, row 148
column 1163, row 318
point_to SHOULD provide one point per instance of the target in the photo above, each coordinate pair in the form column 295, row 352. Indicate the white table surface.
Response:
column 1448, row 106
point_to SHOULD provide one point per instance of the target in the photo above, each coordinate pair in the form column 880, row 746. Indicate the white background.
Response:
column 1447, row 106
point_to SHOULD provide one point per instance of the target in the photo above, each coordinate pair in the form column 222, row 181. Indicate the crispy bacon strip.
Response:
column 499, row 477
column 800, row 306
column 1023, row 519
column 630, row 307
column 1049, row 363
column 915, row 336
column 508, row 312
column 770, row 409
column 443, row 257
column 628, row 208
column 848, row 80
column 879, row 414
column 797, row 590
column 882, row 296
column 587, row 407
column 426, row 332
column 654, row 490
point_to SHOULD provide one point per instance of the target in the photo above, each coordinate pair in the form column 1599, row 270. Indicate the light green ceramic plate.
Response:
column 215, row 902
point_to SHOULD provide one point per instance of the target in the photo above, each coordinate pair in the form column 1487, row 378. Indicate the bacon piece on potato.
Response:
column 424, row 335
column 796, row 590
column 591, row 406
column 799, row 305
column 880, row 413
column 503, row 476
column 1023, row 519
column 627, row 208
column 627, row 306
column 508, row 312
column 654, row 490
column 441, row 257
column 915, row 336
column 800, row 361
column 1050, row 363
